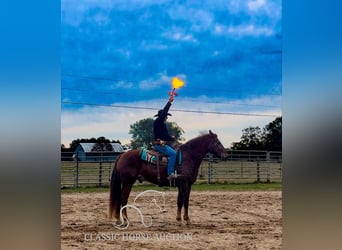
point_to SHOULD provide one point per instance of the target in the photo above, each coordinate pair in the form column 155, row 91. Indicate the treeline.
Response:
column 101, row 144
column 269, row 138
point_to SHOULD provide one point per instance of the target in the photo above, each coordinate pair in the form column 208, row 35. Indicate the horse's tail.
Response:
column 115, row 191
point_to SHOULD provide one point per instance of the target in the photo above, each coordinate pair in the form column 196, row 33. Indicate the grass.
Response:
column 273, row 186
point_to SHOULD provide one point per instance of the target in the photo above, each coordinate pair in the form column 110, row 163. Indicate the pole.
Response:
column 210, row 170
column 76, row 172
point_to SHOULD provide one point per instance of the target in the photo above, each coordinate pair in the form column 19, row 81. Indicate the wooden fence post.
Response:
column 76, row 171
column 258, row 170
column 100, row 170
column 210, row 170
column 268, row 166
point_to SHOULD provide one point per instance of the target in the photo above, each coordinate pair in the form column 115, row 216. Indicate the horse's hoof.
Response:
column 121, row 224
column 187, row 221
column 179, row 221
column 125, row 223
column 117, row 222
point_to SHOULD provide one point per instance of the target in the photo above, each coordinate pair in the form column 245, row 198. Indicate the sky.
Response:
column 118, row 59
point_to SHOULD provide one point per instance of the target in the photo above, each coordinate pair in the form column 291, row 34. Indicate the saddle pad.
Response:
column 147, row 156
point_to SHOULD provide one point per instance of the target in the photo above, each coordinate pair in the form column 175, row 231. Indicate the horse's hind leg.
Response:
column 126, row 190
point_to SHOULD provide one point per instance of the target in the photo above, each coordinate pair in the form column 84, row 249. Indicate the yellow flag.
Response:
column 177, row 83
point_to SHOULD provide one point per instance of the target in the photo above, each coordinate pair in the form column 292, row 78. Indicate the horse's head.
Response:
column 215, row 147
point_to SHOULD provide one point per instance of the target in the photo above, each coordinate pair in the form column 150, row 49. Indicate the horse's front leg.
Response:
column 180, row 202
column 186, row 206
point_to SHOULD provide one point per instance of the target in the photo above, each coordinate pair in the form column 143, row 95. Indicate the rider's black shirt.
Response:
column 159, row 126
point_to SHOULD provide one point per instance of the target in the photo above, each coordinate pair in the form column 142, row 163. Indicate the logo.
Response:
column 146, row 204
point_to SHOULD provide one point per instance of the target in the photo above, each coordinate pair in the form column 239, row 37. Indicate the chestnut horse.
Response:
column 129, row 167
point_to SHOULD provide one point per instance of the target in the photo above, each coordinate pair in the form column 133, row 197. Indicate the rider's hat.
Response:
column 162, row 113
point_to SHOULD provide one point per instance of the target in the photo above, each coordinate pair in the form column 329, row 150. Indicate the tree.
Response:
column 102, row 144
column 251, row 139
column 273, row 135
column 142, row 132
column 270, row 138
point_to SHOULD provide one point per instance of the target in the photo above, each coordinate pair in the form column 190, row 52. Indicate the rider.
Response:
column 161, row 136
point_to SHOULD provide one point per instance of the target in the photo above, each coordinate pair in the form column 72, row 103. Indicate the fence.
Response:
column 240, row 167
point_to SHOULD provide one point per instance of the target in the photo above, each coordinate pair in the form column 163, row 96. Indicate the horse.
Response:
column 129, row 167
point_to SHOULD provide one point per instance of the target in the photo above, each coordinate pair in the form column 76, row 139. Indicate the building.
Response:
column 84, row 152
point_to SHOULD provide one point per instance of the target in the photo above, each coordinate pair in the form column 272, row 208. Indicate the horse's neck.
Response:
column 195, row 150
column 198, row 148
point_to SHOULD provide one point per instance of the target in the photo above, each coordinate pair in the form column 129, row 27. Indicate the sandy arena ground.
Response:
column 219, row 220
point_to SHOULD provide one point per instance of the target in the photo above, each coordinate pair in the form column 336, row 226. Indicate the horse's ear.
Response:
column 210, row 132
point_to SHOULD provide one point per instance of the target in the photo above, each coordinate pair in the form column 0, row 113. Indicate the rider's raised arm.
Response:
column 168, row 104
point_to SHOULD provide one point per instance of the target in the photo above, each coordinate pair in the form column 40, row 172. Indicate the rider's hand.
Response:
column 171, row 98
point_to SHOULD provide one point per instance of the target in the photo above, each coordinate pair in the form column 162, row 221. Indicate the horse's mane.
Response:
column 194, row 141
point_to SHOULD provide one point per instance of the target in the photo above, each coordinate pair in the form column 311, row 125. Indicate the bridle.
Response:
column 215, row 146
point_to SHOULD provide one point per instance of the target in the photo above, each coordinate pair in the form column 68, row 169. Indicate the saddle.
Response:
column 152, row 156
column 158, row 159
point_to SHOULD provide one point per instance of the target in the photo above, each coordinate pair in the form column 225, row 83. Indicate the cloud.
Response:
column 255, row 5
column 243, row 30
column 113, row 123
column 124, row 85
column 198, row 19
column 75, row 12
column 180, row 36
column 162, row 80
column 126, row 52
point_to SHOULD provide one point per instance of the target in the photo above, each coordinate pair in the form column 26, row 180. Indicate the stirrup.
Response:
column 171, row 177
column 172, row 182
